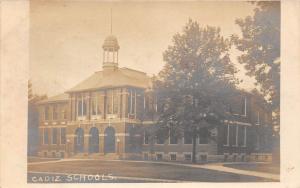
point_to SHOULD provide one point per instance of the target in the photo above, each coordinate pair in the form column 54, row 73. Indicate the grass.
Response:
column 143, row 170
column 259, row 167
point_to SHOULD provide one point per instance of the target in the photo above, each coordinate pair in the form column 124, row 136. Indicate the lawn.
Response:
column 142, row 170
column 259, row 167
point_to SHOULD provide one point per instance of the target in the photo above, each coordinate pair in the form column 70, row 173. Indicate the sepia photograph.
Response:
column 154, row 92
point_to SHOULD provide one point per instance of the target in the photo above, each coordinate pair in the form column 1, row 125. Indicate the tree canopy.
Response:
column 260, row 47
column 196, row 80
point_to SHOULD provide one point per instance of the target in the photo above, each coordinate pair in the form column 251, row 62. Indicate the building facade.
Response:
column 108, row 115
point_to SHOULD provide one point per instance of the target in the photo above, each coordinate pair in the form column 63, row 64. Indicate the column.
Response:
column 124, row 103
column 101, row 143
column 88, row 99
column 86, row 143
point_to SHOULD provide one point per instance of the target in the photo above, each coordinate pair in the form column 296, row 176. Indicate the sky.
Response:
column 66, row 37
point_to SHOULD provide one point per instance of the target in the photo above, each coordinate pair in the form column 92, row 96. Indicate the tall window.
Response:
column 226, row 135
column 46, row 113
column 46, row 136
column 55, row 112
column 159, row 139
column 116, row 99
column 188, row 137
column 146, row 137
column 63, row 113
column 81, row 105
column 131, row 101
column 173, row 137
column 109, row 101
column 54, row 136
column 63, row 135
column 232, row 135
column 203, row 137
column 245, row 106
column 241, row 135
column 97, row 103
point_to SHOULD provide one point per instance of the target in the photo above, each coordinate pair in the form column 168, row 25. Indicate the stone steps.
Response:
column 108, row 156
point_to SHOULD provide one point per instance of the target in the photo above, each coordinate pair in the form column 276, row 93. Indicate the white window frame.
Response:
column 227, row 138
column 258, row 118
column 82, row 98
column 173, row 153
column 245, row 107
column 236, row 136
column 245, row 137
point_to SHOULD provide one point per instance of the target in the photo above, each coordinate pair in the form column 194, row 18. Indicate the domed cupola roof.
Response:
column 111, row 42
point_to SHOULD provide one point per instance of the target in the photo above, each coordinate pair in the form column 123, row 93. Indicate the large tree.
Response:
column 193, row 86
column 260, row 47
column 33, row 120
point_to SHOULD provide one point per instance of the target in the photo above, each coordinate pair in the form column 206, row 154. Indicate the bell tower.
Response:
column 110, row 51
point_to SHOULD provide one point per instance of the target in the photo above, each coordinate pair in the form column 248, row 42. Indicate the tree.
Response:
column 193, row 86
column 33, row 121
column 260, row 45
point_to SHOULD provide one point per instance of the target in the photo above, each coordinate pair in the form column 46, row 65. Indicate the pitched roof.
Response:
column 57, row 98
column 114, row 78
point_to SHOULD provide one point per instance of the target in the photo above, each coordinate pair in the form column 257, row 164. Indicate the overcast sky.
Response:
column 66, row 37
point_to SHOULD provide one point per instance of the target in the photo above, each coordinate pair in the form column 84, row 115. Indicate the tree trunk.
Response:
column 194, row 148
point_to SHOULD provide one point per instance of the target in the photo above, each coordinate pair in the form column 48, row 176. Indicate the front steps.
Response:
column 102, row 156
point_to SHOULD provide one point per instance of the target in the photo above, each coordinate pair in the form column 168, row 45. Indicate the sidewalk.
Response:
column 220, row 167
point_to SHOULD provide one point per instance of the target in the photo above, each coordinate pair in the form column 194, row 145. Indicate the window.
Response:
column 54, row 136
column 203, row 136
column 203, row 158
column 159, row 157
column 245, row 106
column 46, row 113
column 241, row 135
column 131, row 101
column 53, row 154
column 159, row 139
column 173, row 137
column 55, row 112
column 232, row 135
column 188, row 137
column 46, row 136
column 63, row 136
column 225, row 157
column 146, row 157
column 113, row 101
column 97, row 103
column 245, row 137
column 258, row 119
column 116, row 103
column 62, row 154
column 173, row 157
column 63, row 113
column 109, row 101
column 146, row 137
column 187, row 157
column 226, row 135
column 81, row 105
column 45, row 153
